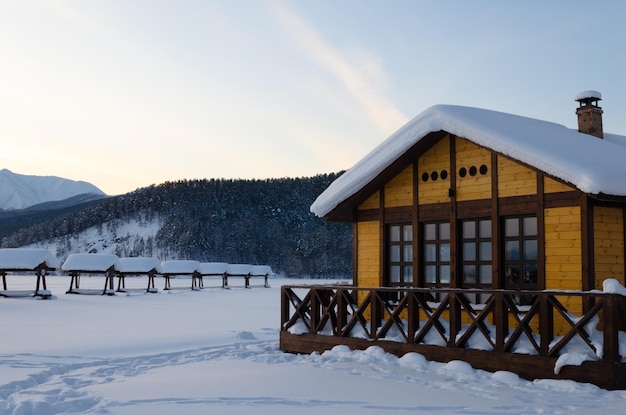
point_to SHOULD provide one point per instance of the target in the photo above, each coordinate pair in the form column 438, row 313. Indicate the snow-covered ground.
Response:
column 216, row 351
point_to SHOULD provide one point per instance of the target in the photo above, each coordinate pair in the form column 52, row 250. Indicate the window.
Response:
column 436, row 257
column 520, row 254
column 476, row 256
column 400, row 254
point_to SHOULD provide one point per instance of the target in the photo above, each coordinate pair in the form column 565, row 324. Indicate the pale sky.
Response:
column 128, row 93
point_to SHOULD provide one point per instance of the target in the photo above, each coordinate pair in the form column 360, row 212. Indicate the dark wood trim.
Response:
column 381, row 239
column 497, row 279
column 624, row 244
column 587, row 243
column 434, row 212
column 417, row 272
column 541, row 240
column 455, row 278
column 517, row 205
column 474, row 209
column 561, row 199
column 367, row 215
column 398, row 214
column 355, row 254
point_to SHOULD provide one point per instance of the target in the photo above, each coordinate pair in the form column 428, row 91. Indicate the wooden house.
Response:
column 500, row 226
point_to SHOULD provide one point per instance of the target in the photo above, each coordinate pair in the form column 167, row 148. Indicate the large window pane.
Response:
column 469, row 274
column 394, row 253
column 484, row 229
column 407, row 253
column 444, row 252
column 430, row 231
column 469, row 229
column 469, row 251
column 394, row 273
column 430, row 252
column 511, row 250
column 430, row 274
column 444, row 231
column 530, row 249
column 511, row 227
column 485, row 274
column 485, row 251
column 444, row 274
column 407, row 233
column 529, row 226
column 394, row 233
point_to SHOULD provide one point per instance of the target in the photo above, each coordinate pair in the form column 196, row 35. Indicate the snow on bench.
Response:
column 77, row 264
column 20, row 260
column 212, row 269
column 136, row 266
column 177, row 268
column 248, row 271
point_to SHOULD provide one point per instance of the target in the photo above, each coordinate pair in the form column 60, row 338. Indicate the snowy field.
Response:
column 216, row 351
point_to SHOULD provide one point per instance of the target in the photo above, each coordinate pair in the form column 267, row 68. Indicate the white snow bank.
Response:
column 239, row 269
column 592, row 165
column 258, row 270
column 24, row 259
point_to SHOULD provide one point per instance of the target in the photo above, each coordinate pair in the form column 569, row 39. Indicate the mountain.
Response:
column 222, row 220
column 19, row 191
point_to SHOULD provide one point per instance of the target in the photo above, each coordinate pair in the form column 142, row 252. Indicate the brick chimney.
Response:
column 589, row 113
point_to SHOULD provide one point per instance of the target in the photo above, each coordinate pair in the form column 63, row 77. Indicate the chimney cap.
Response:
column 588, row 95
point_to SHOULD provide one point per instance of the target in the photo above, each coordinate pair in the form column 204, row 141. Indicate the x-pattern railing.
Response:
column 500, row 322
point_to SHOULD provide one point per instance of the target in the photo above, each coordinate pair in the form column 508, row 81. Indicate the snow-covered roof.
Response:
column 137, row 265
column 90, row 262
column 592, row 165
column 588, row 94
column 212, row 268
column 23, row 259
column 239, row 269
column 178, row 267
column 261, row 270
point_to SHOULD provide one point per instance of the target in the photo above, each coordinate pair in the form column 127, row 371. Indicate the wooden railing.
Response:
column 543, row 327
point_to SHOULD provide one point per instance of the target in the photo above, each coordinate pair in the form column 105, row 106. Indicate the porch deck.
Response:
column 542, row 339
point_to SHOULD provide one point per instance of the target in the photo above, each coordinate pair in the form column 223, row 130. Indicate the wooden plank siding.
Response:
column 431, row 188
column 368, row 255
column 399, row 190
column 608, row 240
column 476, row 160
column 515, row 179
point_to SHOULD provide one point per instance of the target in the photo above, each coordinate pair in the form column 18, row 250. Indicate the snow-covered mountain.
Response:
column 19, row 191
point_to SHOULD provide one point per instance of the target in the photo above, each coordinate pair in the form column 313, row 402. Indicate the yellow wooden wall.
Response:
column 470, row 187
column 399, row 190
column 437, row 158
column 608, row 236
column 563, row 252
column 515, row 179
column 368, row 254
column 553, row 186
column 373, row 202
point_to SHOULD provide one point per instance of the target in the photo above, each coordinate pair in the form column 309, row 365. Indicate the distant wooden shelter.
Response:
column 23, row 260
column 212, row 269
column 91, row 264
column 137, row 266
column 179, row 268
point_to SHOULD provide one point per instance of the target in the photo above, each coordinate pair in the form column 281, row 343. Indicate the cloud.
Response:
column 363, row 76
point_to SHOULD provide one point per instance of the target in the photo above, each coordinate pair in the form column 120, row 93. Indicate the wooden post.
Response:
column 455, row 318
column 611, row 328
column 500, row 320
column 546, row 324
column 284, row 307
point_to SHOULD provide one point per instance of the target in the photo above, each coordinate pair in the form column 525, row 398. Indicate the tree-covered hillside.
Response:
column 250, row 221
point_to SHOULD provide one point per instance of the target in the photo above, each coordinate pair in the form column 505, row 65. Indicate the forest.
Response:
column 229, row 220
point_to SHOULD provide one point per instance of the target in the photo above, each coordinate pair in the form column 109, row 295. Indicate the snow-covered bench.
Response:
column 248, row 271
column 77, row 264
column 137, row 266
column 178, row 268
column 211, row 269
column 22, row 260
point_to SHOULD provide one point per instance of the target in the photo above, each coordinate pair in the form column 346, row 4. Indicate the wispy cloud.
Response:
column 363, row 77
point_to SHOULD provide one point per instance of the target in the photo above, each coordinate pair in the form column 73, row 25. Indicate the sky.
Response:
column 125, row 94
